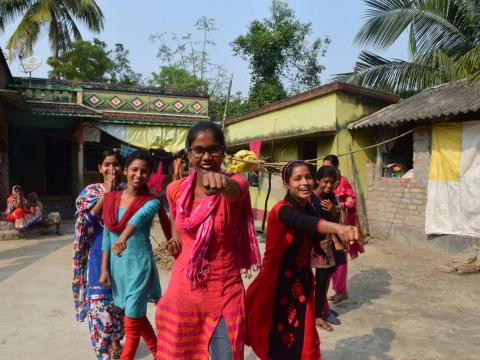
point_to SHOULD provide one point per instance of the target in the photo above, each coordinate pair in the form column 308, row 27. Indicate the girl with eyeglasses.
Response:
column 202, row 314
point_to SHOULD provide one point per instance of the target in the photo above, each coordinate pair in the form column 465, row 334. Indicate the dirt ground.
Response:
column 401, row 306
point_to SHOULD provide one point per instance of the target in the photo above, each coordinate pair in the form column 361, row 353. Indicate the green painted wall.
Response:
column 310, row 116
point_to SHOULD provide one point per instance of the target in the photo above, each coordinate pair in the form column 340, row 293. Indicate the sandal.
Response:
column 339, row 297
column 323, row 324
column 331, row 318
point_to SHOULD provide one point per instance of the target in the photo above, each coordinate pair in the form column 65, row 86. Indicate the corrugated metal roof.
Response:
column 460, row 97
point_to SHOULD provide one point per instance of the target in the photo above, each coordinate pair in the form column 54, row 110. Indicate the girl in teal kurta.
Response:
column 127, row 216
column 131, row 286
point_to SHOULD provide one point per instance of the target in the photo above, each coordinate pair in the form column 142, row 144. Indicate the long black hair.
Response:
column 326, row 172
column 140, row 155
column 288, row 169
column 110, row 152
column 333, row 159
column 205, row 126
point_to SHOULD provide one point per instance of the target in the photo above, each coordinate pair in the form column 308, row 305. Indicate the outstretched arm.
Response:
column 142, row 218
column 312, row 225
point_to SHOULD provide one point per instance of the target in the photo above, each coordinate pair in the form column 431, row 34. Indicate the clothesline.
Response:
column 276, row 167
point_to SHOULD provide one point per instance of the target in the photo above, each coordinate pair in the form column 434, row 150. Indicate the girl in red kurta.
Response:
column 280, row 302
column 202, row 312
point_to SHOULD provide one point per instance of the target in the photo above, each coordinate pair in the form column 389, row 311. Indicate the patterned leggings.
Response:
column 106, row 325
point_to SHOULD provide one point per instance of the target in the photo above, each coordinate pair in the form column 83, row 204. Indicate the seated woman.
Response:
column 18, row 211
column 35, row 206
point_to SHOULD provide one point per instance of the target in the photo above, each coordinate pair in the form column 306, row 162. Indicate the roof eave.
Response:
column 312, row 94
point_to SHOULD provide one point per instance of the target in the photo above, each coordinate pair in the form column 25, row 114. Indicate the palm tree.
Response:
column 444, row 44
column 60, row 16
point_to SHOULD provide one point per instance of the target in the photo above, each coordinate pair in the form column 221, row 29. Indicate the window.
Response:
column 308, row 149
column 397, row 155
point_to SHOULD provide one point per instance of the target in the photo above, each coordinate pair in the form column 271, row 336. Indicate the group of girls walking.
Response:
column 205, row 312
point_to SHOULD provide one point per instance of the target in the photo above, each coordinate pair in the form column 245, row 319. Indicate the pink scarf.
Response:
column 201, row 219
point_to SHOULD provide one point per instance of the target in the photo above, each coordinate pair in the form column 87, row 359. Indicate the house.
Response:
column 309, row 125
column 436, row 204
column 55, row 130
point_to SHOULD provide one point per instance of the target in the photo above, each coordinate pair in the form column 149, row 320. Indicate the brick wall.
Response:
column 397, row 204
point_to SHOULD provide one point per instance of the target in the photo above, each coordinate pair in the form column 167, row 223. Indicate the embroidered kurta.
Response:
column 186, row 317
column 134, row 275
column 280, row 302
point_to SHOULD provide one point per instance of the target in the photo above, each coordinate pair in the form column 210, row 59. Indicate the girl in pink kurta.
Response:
column 202, row 314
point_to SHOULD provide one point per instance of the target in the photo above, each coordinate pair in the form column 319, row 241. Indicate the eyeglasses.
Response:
column 215, row 151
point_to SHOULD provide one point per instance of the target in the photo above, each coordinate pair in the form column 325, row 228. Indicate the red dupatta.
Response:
column 111, row 204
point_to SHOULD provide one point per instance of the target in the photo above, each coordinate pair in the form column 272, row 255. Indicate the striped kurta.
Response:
column 185, row 317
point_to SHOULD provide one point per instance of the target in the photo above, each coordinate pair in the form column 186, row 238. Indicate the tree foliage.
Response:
column 444, row 44
column 92, row 61
column 282, row 58
column 185, row 63
column 60, row 17
column 121, row 71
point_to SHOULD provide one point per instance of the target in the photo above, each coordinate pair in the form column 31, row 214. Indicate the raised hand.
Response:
column 214, row 182
column 110, row 181
column 348, row 233
column 327, row 205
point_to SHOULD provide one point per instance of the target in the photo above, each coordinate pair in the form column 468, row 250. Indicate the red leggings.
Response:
column 134, row 330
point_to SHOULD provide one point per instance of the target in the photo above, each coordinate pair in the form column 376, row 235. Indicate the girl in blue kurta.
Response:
column 127, row 250
column 93, row 301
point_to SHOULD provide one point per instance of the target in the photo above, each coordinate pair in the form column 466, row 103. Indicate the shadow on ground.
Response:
column 367, row 347
column 364, row 287
column 28, row 254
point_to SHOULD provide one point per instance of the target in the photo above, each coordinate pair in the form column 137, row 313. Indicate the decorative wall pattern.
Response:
column 145, row 103
column 63, row 96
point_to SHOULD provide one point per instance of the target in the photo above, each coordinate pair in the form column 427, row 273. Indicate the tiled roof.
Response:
column 148, row 119
column 314, row 93
column 78, row 110
column 440, row 102
column 40, row 83
column 62, row 109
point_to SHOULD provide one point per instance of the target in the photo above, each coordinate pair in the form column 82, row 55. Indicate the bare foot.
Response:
column 323, row 324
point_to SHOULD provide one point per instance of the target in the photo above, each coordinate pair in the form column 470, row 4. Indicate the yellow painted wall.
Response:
column 283, row 150
column 327, row 113
column 310, row 116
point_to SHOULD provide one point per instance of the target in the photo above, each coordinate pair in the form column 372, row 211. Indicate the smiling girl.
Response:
column 127, row 216
column 202, row 315
column 93, row 300
column 280, row 301
column 328, row 254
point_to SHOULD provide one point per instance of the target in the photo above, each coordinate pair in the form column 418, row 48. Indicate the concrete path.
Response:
column 400, row 307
